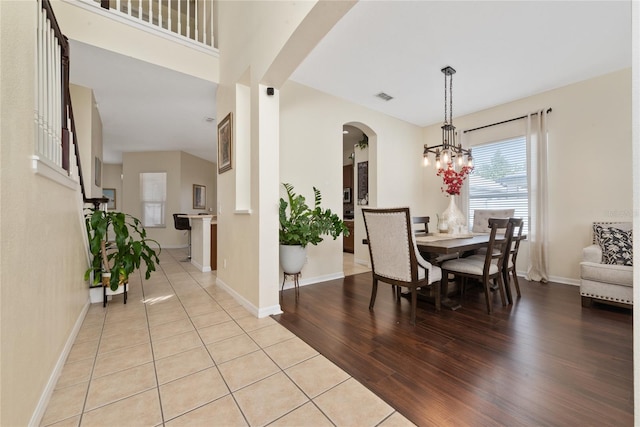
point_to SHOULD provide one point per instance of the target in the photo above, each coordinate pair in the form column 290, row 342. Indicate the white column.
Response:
column 201, row 242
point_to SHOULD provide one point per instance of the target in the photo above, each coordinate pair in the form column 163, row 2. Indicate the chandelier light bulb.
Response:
column 426, row 160
column 445, row 157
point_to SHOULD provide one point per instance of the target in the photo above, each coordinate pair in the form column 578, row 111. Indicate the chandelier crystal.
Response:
column 448, row 150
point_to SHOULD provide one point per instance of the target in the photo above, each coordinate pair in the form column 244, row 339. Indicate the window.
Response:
column 499, row 179
column 153, row 193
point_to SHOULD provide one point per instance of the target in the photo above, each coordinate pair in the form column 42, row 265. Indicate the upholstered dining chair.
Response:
column 481, row 218
column 395, row 258
column 513, row 244
column 483, row 267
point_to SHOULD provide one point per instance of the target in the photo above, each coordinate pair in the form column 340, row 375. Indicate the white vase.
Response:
column 292, row 258
column 454, row 218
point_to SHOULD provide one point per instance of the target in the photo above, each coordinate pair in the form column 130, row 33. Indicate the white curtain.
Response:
column 537, row 148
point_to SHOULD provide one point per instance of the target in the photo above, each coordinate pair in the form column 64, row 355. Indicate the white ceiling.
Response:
column 502, row 51
column 145, row 107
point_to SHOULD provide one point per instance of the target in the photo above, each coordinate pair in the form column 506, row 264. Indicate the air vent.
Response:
column 384, row 96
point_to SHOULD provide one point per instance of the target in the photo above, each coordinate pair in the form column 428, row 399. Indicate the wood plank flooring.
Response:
column 543, row 361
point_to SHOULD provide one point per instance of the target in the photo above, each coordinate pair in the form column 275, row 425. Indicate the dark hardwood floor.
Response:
column 543, row 361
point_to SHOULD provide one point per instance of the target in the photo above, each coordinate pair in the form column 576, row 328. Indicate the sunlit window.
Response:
column 499, row 180
column 153, row 193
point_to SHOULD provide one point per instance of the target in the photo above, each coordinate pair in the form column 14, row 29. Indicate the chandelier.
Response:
column 446, row 152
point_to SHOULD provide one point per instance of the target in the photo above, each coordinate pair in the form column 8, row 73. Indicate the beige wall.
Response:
column 42, row 248
column 315, row 158
column 89, row 135
column 183, row 170
column 112, row 178
column 590, row 171
column 195, row 170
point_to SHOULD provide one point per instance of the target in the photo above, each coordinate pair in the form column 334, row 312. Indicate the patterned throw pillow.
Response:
column 616, row 245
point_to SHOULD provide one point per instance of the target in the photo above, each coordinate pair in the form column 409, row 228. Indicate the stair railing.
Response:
column 54, row 112
column 193, row 19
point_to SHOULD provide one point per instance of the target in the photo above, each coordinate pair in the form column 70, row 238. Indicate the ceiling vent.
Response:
column 384, row 96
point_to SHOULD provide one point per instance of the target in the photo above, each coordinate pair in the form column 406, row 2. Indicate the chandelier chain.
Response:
column 451, row 99
column 445, row 98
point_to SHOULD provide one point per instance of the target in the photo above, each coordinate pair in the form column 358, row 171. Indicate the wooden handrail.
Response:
column 67, row 108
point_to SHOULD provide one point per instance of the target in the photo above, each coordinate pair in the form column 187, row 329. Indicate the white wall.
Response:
column 96, row 27
column 590, row 171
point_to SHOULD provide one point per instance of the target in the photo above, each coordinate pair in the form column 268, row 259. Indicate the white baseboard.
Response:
column 258, row 312
column 45, row 397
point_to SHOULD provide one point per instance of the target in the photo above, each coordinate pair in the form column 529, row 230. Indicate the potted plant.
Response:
column 301, row 225
column 117, row 259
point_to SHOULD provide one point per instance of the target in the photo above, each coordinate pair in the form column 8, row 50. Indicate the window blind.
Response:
column 499, row 179
column 153, row 189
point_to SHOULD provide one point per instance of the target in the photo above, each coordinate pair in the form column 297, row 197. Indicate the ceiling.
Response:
column 502, row 51
column 145, row 107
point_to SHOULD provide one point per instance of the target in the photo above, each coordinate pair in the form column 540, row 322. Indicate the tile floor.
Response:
column 183, row 352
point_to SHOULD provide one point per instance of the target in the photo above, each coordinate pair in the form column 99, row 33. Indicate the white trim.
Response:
column 45, row 397
column 260, row 313
column 150, row 28
column 50, row 171
column 564, row 280
column 242, row 212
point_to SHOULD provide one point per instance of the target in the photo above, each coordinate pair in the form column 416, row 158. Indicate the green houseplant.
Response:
column 125, row 253
column 301, row 225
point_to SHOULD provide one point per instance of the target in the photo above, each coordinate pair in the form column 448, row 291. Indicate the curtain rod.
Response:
column 504, row 121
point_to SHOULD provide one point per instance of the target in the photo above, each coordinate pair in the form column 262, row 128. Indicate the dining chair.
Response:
column 513, row 244
column 395, row 258
column 424, row 220
column 483, row 267
column 481, row 217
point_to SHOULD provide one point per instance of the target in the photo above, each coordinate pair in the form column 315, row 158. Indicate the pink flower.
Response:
column 452, row 179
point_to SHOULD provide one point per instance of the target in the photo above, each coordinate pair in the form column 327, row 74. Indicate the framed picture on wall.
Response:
column 199, row 196
column 110, row 193
column 225, row 144
column 363, row 183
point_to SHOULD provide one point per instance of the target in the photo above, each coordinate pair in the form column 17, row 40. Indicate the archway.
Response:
column 359, row 160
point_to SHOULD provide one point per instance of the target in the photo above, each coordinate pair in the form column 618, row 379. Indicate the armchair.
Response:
column 606, row 270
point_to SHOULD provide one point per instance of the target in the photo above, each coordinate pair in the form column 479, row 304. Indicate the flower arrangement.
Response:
column 453, row 179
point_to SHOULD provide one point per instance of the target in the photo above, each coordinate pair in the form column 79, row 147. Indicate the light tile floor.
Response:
column 350, row 267
column 183, row 352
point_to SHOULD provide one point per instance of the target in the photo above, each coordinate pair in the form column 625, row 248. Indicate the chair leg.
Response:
column 444, row 283
column 414, row 304
column 374, row 292
column 501, row 289
column 436, row 291
column 487, row 294
column 515, row 281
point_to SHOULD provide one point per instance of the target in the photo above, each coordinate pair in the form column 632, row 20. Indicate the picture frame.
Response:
column 199, row 196
column 363, row 183
column 110, row 193
column 225, row 144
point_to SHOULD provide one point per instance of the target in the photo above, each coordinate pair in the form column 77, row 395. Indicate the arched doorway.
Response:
column 358, row 142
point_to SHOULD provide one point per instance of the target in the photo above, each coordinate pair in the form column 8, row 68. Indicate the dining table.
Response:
column 437, row 244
